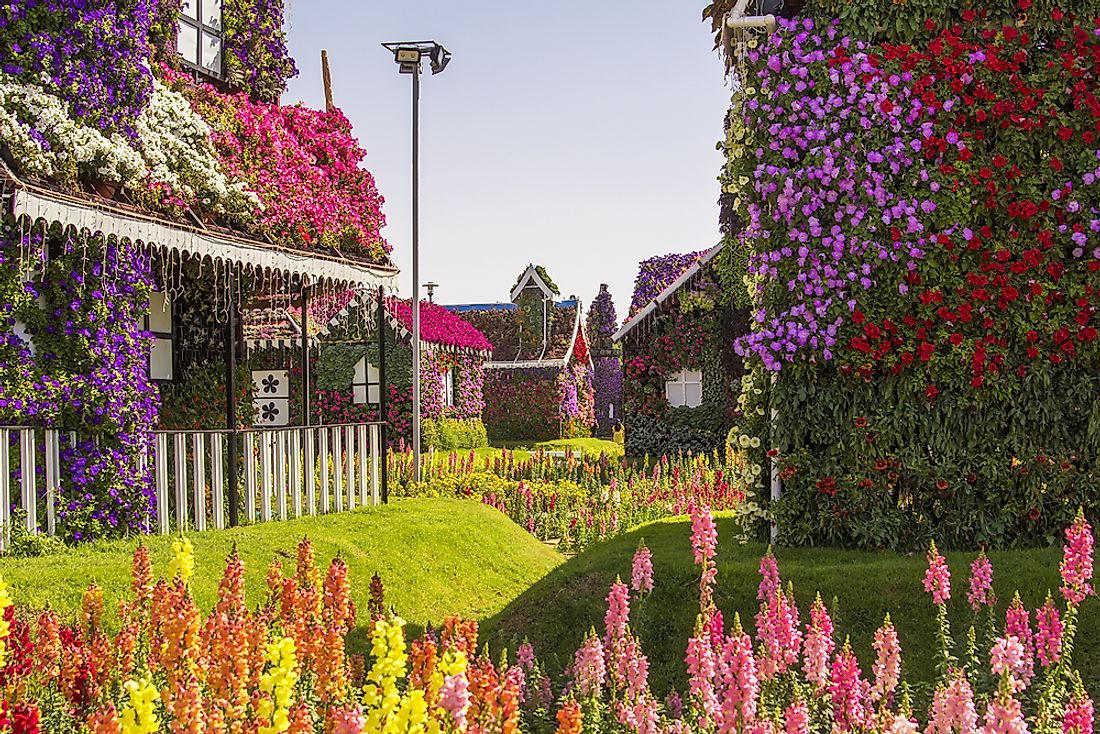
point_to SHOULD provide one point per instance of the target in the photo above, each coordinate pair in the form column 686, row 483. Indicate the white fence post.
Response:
column 28, row 468
column 217, row 483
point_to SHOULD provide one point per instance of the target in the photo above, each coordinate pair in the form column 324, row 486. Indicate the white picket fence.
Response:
column 288, row 472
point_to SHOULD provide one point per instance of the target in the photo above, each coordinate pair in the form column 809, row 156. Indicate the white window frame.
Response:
column 160, row 322
column 685, row 389
column 449, row 387
column 208, row 36
column 366, row 384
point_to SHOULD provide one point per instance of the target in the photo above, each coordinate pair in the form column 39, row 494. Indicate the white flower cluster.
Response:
column 175, row 143
column 173, row 150
column 69, row 146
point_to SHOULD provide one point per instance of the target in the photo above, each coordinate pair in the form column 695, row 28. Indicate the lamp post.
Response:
column 430, row 287
column 408, row 55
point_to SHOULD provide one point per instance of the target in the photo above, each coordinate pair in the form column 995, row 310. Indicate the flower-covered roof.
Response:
column 275, row 320
column 658, row 273
column 91, row 104
column 499, row 323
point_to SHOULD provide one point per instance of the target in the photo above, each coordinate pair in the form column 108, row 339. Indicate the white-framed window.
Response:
column 449, row 388
column 366, row 385
column 685, row 388
column 158, row 321
column 199, row 40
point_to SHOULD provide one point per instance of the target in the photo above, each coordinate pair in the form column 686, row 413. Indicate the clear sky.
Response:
column 579, row 135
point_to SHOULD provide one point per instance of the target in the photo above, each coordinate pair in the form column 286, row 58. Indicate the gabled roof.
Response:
column 498, row 322
column 271, row 324
column 532, row 276
column 688, row 266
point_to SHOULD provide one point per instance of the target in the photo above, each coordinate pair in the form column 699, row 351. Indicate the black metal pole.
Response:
column 416, row 271
column 307, row 381
column 382, row 392
column 231, row 394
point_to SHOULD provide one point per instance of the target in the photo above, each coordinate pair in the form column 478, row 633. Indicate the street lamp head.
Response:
column 440, row 58
column 430, row 287
column 409, row 54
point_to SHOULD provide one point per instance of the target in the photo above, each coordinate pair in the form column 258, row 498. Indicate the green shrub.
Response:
column 450, row 434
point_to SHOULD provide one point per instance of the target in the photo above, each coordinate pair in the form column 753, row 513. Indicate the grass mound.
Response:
column 558, row 610
column 435, row 556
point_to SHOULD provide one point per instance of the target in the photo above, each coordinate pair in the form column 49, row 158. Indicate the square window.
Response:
column 366, row 384
column 187, row 43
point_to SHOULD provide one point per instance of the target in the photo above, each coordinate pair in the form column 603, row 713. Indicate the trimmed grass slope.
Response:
column 435, row 556
column 557, row 611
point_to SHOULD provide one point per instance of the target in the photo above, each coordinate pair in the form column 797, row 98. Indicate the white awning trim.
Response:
column 528, row 364
column 667, row 293
column 182, row 238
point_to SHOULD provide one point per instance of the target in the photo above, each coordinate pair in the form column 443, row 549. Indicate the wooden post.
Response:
column 327, row 78
column 307, row 381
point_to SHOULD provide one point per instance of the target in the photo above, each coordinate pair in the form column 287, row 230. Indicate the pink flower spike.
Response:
column 618, row 612
column 641, row 577
column 1048, row 637
column 589, row 671
column 796, row 719
column 887, row 667
column 848, row 692
column 1078, row 718
column 1006, row 660
column 1018, row 625
column 819, row 645
column 769, row 577
column 937, row 579
column 1077, row 561
column 1004, row 716
column 981, row 583
column 740, row 683
column 953, row 708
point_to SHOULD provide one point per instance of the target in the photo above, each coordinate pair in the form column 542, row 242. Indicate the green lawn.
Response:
column 435, row 556
column 559, row 609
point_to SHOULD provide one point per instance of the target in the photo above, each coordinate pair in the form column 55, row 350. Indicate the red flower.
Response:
column 931, row 391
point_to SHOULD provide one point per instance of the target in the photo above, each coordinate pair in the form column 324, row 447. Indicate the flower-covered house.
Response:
column 150, row 183
column 346, row 359
column 538, row 383
column 681, row 378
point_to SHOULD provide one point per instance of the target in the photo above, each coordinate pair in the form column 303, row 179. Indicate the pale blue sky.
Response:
column 579, row 135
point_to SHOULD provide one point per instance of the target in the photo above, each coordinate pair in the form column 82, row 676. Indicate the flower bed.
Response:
column 283, row 667
column 582, row 499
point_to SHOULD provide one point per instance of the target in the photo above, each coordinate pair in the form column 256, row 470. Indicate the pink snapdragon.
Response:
column 618, row 612
column 796, row 719
column 887, row 666
column 819, row 645
column 1078, row 717
column 348, row 720
column 981, row 583
column 937, row 579
column 769, row 577
column 704, row 541
column 1018, row 625
column 1048, row 636
column 702, row 668
column 589, row 671
column 740, row 683
column 629, row 666
column 953, row 708
column 1076, row 565
column 848, row 692
column 902, row 725
column 454, row 698
column 1004, row 716
column 1006, row 659
column 641, row 576
column 777, row 627
column 525, row 656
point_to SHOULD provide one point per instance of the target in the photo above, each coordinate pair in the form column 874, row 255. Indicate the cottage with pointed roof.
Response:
column 680, row 375
column 538, row 383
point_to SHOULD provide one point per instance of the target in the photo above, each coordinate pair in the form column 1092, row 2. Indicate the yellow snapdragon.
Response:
column 387, row 711
column 5, row 626
column 140, row 717
column 183, row 559
column 278, row 682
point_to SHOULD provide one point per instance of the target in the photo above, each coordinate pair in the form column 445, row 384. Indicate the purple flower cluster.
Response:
column 602, row 321
column 86, row 373
column 468, row 377
column 607, row 382
column 835, row 150
column 657, row 273
column 256, row 57
column 94, row 53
